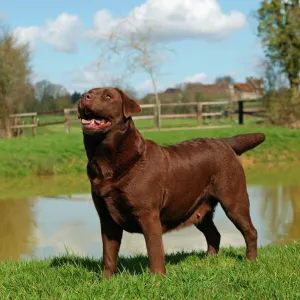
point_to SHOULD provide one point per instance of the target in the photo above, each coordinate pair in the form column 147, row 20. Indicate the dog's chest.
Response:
column 116, row 202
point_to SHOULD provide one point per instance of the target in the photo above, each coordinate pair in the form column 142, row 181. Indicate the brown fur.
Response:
column 141, row 187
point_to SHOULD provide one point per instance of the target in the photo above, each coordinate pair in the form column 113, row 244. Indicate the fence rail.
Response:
column 16, row 124
column 195, row 110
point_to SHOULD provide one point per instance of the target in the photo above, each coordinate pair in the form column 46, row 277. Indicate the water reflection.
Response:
column 17, row 225
column 281, row 207
column 44, row 226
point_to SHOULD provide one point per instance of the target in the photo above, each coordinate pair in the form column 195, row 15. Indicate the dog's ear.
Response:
column 130, row 106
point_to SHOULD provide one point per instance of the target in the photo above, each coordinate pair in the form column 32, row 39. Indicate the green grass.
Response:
column 53, row 152
column 51, row 186
column 51, row 118
column 275, row 275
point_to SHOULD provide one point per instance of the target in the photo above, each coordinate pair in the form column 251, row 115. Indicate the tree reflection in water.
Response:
column 17, row 225
column 282, row 210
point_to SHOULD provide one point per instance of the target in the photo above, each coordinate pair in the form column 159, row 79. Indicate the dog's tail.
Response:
column 244, row 142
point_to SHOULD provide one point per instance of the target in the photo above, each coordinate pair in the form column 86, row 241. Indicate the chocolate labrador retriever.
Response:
column 141, row 187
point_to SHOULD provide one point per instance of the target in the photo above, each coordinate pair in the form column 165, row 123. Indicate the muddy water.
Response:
column 41, row 226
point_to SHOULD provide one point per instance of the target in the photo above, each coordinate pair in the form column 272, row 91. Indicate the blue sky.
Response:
column 209, row 38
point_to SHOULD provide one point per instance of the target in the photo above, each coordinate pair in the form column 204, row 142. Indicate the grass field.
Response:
column 275, row 275
column 53, row 151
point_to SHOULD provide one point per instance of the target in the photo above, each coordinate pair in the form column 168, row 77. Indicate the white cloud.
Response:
column 27, row 35
column 62, row 33
column 167, row 20
column 145, row 87
column 90, row 76
column 173, row 20
column 199, row 77
column 103, row 24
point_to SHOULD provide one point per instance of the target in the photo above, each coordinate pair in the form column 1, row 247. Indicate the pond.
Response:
column 47, row 218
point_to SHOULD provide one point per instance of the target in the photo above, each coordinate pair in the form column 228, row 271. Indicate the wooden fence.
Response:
column 256, row 108
column 51, row 121
column 197, row 110
column 17, row 123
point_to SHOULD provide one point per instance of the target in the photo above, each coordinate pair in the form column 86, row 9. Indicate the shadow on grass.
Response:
column 137, row 264
column 132, row 265
column 231, row 253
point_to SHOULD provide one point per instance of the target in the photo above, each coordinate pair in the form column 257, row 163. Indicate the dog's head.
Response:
column 101, row 109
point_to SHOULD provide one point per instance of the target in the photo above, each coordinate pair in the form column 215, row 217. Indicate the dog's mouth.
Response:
column 91, row 122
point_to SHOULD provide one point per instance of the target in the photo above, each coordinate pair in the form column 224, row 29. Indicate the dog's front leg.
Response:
column 151, row 227
column 111, row 238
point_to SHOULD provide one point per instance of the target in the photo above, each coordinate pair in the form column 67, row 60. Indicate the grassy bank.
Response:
column 190, row 276
column 32, row 186
column 54, row 152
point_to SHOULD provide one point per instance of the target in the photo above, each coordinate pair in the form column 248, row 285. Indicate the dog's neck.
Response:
column 117, row 151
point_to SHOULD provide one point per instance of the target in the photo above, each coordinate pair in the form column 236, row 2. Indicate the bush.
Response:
column 283, row 107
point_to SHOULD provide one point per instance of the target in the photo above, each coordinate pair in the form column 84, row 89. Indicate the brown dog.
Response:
column 141, row 187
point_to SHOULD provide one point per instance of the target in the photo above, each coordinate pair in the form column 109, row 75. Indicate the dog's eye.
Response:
column 108, row 96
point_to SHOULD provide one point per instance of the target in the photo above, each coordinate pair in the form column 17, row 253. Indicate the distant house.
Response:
column 252, row 89
column 216, row 87
column 169, row 95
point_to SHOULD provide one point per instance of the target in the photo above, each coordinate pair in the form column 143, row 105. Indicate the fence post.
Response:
column 34, row 121
column 213, row 120
column 155, row 116
column 14, row 122
column 7, row 127
column 199, row 113
column 241, row 112
column 159, row 116
column 67, row 120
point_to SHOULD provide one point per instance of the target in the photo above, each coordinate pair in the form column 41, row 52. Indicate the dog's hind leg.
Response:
column 237, row 209
column 211, row 233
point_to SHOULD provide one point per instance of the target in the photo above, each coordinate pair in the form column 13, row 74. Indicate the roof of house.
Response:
column 243, row 87
column 220, row 86
column 251, row 85
column 255, row 83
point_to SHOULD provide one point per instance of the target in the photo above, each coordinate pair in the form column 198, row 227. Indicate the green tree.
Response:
column 75, row 97
column 15, row 71
column 223, row 79
column 62, row 102
column 279, row 30
column 47, row 104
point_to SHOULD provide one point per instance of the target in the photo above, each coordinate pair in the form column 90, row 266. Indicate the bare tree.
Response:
column 274, row 78
column 123, row 85
column 139, row 50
